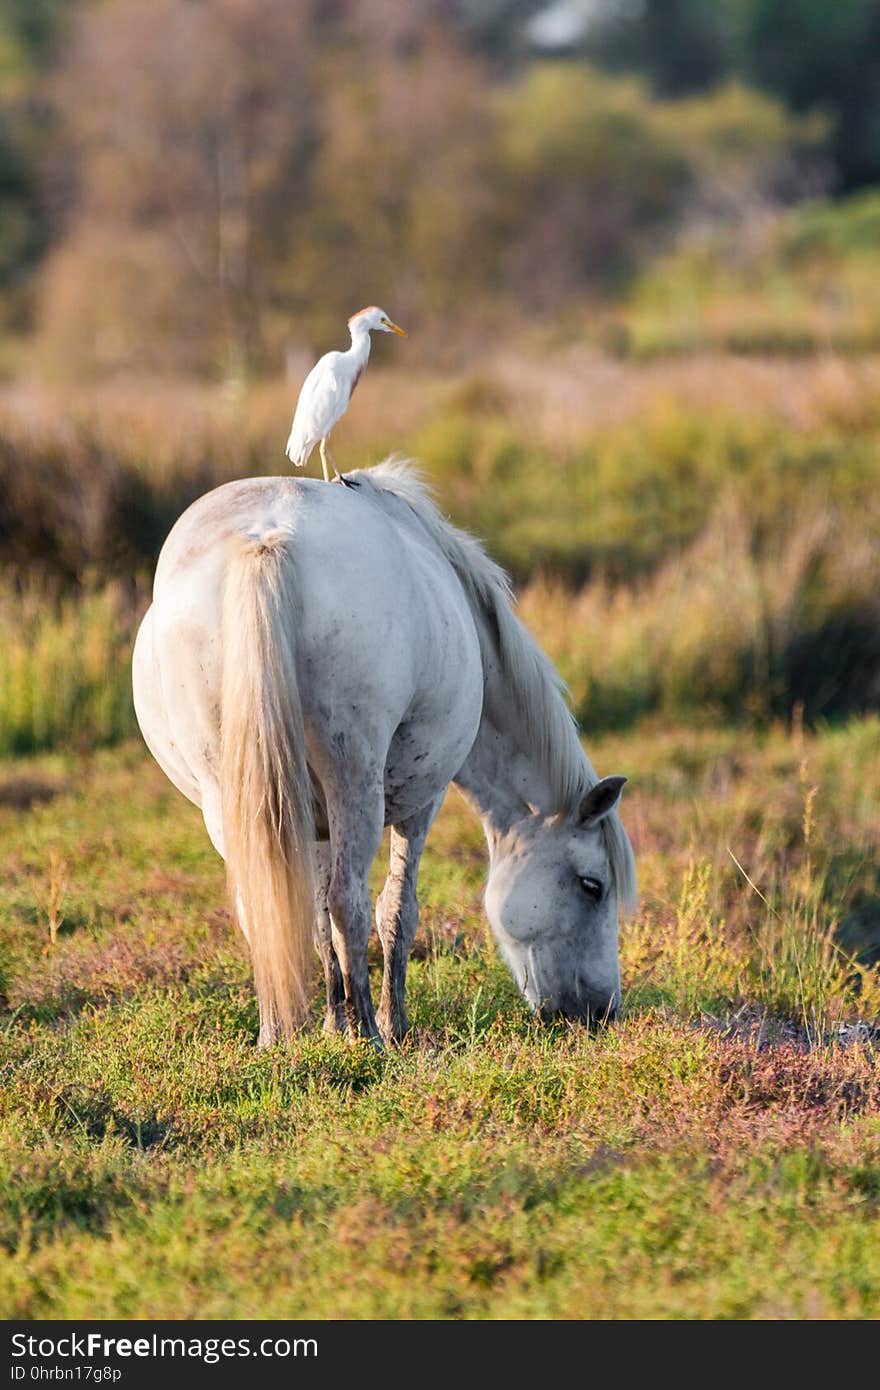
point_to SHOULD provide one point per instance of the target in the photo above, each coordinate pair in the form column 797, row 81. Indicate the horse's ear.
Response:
column 599, row 800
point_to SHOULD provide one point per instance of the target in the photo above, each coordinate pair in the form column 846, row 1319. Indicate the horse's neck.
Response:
column 501, row 781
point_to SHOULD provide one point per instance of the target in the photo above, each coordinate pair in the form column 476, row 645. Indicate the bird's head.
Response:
column 374, row 320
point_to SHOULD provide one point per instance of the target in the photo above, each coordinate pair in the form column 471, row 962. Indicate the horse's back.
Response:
column 387, row 653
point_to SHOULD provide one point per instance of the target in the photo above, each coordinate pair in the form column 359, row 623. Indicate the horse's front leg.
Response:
column 397, row 917
column 356, row 821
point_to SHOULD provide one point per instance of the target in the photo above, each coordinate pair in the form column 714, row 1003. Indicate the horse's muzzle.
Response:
column 594, row 1012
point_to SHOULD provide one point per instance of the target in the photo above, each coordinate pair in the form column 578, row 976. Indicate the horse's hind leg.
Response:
column 356, row 816
column 334, row 1018
column 397, row 917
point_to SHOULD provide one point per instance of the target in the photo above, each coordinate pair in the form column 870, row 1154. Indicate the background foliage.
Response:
column 244, row 171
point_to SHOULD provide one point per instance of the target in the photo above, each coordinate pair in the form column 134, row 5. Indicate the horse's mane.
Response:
column 535, row 694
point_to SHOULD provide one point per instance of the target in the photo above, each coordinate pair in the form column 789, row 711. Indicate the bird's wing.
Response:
column 322, row 400
column 327, row 395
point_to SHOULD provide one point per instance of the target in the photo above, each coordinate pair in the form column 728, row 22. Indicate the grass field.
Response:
column 716, row 1154
column 696, row 541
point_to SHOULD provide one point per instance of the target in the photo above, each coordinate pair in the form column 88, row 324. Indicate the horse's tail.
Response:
column 266, row 793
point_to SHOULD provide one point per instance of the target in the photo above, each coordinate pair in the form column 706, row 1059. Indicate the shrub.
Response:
column 65, row 670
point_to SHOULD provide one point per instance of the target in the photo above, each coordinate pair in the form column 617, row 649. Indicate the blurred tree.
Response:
column 498, row 27
column 592, row 175
column 816, row 54
column 401, row 199
column 813, row 54
column 198, row 124
column 21, row 229
column 251, row 171
column 595, row 176
column 679, row 45
column 230, row 178
column 32, row 25
column 747, row 153
column 28, row 29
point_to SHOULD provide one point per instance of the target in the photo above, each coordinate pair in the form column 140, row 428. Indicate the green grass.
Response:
column 715, row 1154
column 793, row 284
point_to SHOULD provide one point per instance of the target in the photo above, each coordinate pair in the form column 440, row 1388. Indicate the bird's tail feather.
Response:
column 299, row 457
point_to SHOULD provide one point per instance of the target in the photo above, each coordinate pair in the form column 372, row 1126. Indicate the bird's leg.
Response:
column 325, row 455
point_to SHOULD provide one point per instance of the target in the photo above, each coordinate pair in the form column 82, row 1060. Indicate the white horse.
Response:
column 320, row 662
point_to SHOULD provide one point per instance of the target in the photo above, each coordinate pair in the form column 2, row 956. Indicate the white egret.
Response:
column 328, row 389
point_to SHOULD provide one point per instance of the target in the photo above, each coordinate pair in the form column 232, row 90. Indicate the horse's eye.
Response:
column 592, row 887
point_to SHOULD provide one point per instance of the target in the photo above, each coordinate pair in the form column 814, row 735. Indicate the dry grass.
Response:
column 718, row 520
column 93, row 480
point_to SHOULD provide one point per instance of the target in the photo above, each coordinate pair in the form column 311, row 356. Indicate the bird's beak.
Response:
column 396, row 328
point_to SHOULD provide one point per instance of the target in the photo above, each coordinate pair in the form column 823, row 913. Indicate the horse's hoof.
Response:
column 374, row 1039
column 392, row 1034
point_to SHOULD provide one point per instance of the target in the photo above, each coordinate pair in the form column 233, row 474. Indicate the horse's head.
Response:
column 552, row 904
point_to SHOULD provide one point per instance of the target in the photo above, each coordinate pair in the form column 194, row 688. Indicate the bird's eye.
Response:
column 591, row 886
